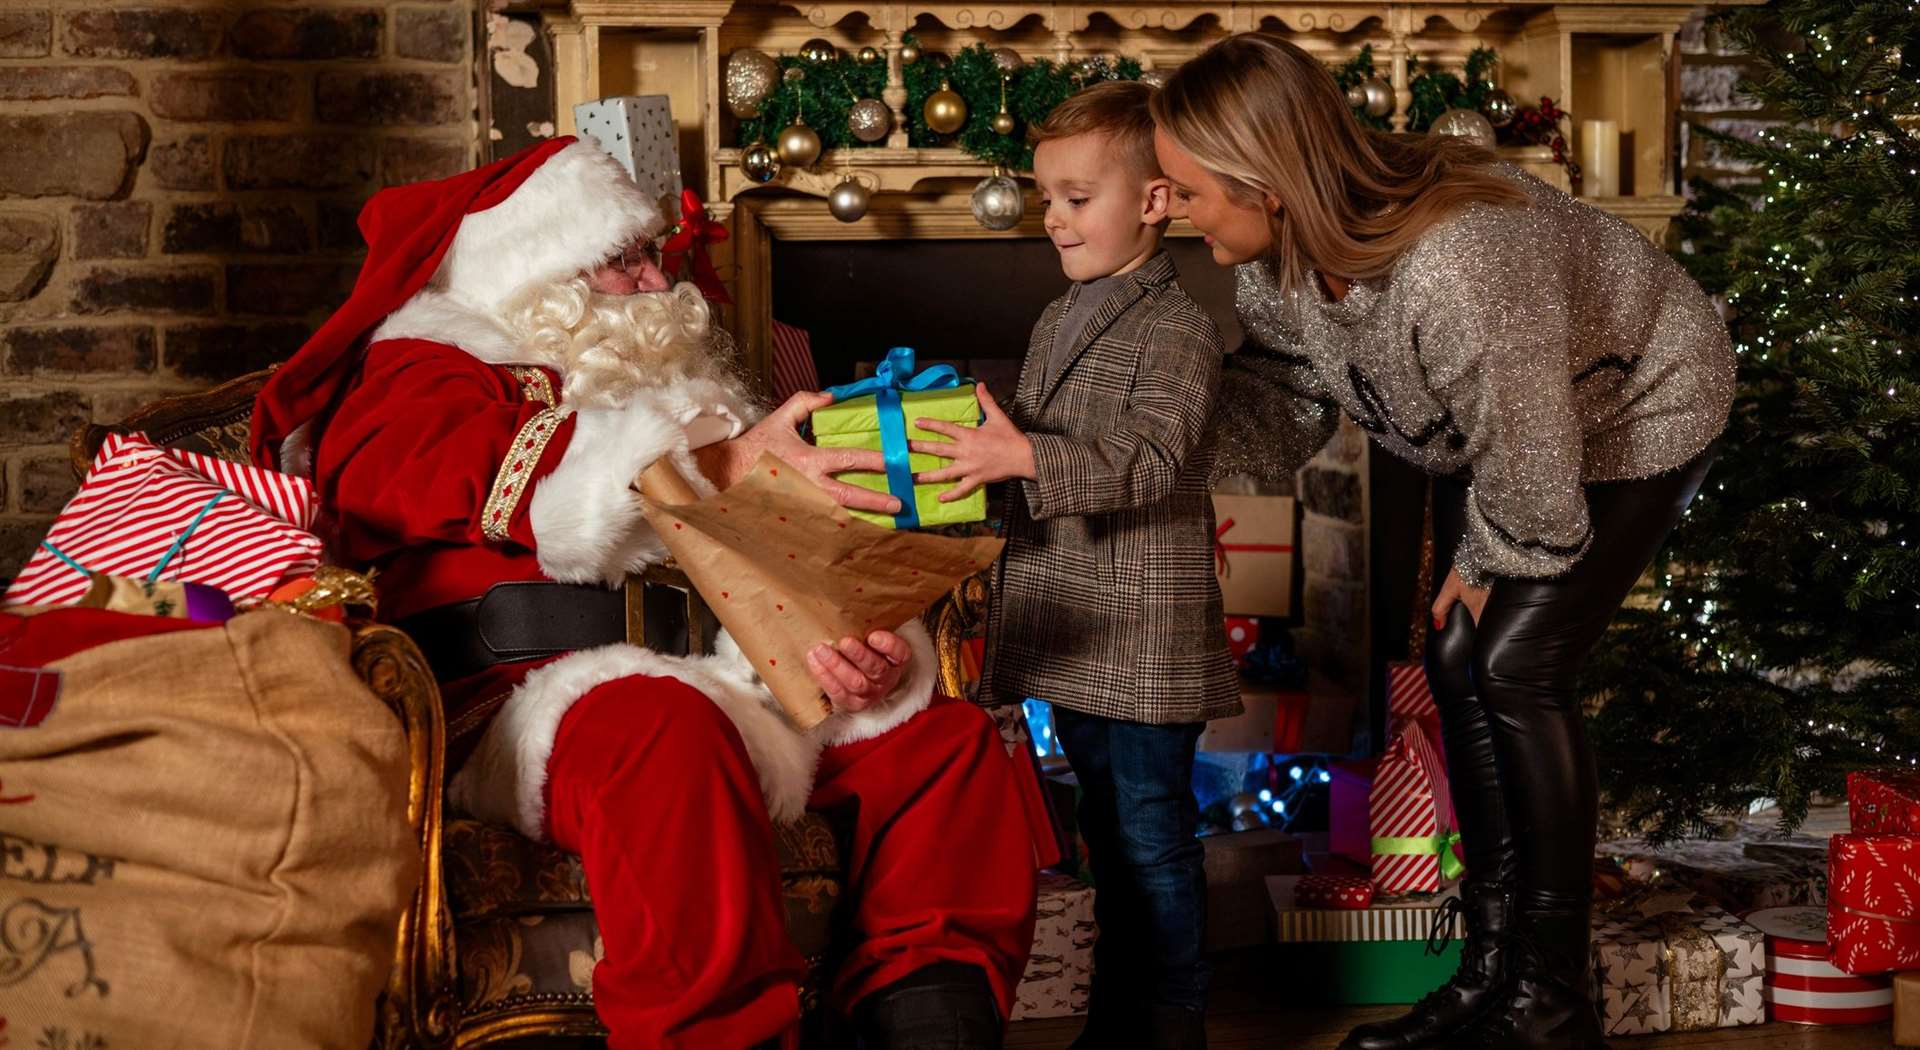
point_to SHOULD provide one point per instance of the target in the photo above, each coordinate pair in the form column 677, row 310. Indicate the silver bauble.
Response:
column 869, row 120
column 1008, row 60
column 759, row 163
column 799, row 146
column 751, row 77
column 1376, row 97
column 1499, row 109
column 1002, row 123
column 1093, row 67
column 869, row 55
column 1466, row 124
column 848, row 201
column 818, row 51
column 1243, row 803
column 998, row 203
column 1154, row 77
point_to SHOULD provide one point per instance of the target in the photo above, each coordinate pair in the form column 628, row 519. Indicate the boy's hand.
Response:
column 994, row 451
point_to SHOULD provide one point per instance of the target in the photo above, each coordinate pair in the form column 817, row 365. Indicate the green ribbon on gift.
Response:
column 1421, row 846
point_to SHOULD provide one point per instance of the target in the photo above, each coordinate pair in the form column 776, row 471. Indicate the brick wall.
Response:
column 178, row 196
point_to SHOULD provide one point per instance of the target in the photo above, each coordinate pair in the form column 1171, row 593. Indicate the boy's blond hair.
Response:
column 1117, row 109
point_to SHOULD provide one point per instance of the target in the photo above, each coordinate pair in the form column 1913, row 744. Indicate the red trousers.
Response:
column 650, row 784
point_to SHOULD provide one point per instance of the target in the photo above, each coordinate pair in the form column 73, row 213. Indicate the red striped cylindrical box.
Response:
column 1802, row 987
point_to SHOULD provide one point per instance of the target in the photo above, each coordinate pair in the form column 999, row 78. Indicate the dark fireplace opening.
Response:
column 958, row 301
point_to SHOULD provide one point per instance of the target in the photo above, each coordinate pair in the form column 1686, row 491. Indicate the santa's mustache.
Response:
column 607, row 347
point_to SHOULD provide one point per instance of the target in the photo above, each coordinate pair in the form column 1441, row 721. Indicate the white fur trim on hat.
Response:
column 586, row 518
column 506, row 778
column 573, row 212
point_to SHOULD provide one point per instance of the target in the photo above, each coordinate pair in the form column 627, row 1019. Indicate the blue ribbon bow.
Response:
column 894, row 377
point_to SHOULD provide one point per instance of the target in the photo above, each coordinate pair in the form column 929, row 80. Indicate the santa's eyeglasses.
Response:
column 642, row 251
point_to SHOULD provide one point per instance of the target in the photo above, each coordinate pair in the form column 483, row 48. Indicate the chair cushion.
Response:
column 523, row 920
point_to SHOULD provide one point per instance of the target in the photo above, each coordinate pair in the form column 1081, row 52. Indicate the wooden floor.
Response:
column 1245, row 1015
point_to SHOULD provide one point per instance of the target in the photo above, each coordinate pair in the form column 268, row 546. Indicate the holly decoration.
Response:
column 1540, row 126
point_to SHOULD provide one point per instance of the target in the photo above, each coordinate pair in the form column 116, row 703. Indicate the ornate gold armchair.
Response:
column 500, row 937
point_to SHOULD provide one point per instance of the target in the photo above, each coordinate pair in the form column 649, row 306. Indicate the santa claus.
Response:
column 509, row 361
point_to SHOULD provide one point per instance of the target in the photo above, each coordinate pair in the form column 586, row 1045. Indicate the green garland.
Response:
column 1434, row 91
column 1351, row 74
column 825, row 91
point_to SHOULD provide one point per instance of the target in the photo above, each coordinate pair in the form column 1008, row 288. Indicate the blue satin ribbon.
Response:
column 894, row 377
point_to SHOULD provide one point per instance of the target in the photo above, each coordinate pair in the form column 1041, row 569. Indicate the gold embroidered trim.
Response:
column 511, row 483
column 534, row 384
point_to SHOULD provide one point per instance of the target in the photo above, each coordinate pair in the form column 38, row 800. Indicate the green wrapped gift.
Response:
column 868, row 413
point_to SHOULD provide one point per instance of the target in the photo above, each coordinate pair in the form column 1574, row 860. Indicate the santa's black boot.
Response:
column 945, row 1006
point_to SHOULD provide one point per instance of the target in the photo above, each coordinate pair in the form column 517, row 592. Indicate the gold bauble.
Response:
column 909, row 54
column 759, row 163
column 869, row 55
column 945, row 110
column 799, row 146
column 818, row 51
column 1003, row 123
column 751, row 76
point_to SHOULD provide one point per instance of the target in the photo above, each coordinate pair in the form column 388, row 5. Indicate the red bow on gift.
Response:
column 686, row 248
column 1221, row 547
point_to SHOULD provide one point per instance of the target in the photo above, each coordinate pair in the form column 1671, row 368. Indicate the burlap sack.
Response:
column 214, row 852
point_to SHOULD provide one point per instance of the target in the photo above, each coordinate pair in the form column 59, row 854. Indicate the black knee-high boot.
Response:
column 1485, row 905
column 1531, row 640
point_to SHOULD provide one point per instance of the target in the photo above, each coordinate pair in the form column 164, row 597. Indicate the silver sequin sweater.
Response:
column 1532, row 349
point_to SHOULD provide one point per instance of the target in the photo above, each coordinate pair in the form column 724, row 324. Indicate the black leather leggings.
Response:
column 1522, row 772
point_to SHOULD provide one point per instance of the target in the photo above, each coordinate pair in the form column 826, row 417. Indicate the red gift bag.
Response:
column 1873, row 903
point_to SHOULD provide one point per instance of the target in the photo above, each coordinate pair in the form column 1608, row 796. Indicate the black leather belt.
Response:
column 516, row 621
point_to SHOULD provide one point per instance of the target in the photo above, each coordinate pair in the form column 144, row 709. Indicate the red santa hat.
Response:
column 545, row 213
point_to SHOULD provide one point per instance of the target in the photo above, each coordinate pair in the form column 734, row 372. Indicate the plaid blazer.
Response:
column 1105, row 599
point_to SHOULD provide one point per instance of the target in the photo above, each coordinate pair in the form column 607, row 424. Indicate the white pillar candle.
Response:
column 1599, row 158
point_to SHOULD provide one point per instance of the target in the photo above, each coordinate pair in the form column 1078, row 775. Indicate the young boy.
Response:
column 1105, row 601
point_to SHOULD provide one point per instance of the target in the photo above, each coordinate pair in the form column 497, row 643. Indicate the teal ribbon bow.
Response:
column 895, row 377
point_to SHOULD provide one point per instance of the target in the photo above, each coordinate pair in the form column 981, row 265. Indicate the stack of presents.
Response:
column 1690, row 936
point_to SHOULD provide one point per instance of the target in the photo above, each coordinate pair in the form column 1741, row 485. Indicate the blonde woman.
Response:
column 1562, row 380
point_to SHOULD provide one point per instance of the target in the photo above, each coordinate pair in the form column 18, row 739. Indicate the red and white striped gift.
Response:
column 1408, row 695
column 1802, row 987
column 1405, row 815
column 189, row 517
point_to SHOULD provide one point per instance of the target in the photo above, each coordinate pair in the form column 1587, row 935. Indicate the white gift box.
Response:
column 1060, row 968
column 637, row 130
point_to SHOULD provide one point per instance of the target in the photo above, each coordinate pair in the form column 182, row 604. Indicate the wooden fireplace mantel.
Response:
column 1599, row 59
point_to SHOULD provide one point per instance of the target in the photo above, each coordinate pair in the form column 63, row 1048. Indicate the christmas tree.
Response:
column 1779, row 644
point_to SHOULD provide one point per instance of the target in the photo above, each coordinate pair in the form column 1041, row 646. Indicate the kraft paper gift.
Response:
column 784, row 568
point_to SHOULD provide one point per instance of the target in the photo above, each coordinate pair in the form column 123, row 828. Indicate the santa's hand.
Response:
column 856, row 675
column 779, row 433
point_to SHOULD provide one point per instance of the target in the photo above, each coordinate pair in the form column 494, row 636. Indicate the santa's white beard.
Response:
column 607, row 347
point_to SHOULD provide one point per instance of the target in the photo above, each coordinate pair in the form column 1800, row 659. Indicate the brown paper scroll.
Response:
column 785, row 568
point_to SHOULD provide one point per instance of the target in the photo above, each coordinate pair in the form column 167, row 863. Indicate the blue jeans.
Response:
column 1138, row 814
